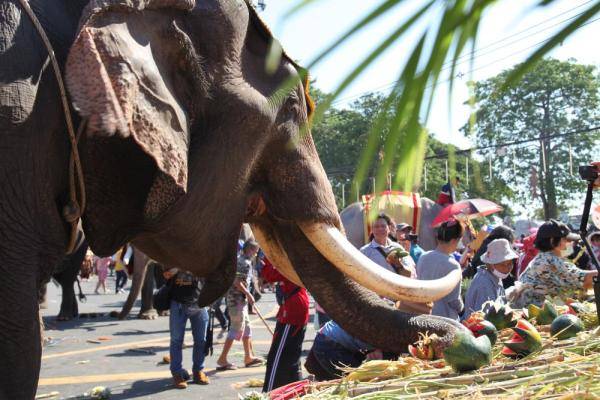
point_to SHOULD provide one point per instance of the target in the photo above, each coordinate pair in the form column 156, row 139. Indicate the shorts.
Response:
column 239, row 322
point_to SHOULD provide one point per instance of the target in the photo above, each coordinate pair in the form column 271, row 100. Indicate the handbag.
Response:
column 162, row 297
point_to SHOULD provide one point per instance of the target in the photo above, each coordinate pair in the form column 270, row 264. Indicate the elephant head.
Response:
column 188, row 136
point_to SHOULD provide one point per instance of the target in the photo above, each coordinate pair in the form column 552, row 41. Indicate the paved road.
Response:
column 125, row 355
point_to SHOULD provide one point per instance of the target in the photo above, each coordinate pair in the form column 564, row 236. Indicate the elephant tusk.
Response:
column 276, row 255
column 334, row 246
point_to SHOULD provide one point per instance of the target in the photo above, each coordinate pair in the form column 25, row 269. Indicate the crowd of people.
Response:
column 116, row 265
column 496, row 268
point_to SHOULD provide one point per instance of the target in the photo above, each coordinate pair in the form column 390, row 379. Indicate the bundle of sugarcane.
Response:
column 559, row 369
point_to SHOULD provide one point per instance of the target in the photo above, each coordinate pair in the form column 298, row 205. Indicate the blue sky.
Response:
column 510, row 31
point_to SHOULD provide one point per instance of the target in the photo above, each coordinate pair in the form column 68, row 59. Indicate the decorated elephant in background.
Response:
column 353, row 220
column 186, row 137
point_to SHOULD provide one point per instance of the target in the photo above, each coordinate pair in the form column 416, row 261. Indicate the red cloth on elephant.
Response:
column 294, row 310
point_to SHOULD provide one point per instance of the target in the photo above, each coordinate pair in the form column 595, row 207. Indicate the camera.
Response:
column 588, row 172
column 412, row 237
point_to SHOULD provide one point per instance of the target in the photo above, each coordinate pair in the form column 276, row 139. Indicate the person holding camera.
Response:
column 409, row 241
column 549, row 274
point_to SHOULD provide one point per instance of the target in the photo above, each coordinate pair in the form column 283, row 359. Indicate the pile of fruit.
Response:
column 545, row 352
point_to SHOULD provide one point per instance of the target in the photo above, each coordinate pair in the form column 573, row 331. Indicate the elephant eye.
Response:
column 292, row 107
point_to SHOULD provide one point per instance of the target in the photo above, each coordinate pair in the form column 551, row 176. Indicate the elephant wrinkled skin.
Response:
column 187, row 138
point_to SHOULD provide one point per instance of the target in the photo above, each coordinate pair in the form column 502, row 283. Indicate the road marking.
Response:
column 143, row 342
column 136, row 376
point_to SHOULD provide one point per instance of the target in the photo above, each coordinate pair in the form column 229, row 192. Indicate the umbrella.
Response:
column 471, row 208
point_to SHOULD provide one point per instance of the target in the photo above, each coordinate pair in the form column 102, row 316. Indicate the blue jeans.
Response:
column 332, row 355
column 179, row 314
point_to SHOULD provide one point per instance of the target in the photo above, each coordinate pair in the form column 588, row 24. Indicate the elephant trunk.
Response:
column 359, row 311
column 139, row 274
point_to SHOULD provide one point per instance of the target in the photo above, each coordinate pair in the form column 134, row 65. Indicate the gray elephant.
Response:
column 353, row 219
column 186, row 137
column 147, row 276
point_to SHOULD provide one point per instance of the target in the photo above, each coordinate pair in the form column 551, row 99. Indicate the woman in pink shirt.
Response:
column 102, row 272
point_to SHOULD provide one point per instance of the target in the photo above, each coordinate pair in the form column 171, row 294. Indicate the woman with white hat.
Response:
column 487, row 283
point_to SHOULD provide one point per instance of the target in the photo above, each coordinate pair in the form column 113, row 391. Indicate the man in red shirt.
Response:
column 283, row 361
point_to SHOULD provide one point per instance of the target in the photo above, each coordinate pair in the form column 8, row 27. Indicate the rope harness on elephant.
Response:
column 73, row 210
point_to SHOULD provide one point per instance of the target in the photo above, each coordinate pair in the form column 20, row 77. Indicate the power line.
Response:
column 345, row 170
column 448, row 63
column 528, row 29
column 516, row 142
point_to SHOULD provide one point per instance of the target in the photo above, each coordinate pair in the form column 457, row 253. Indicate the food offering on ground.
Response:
column 528, row 360
column 566, row 326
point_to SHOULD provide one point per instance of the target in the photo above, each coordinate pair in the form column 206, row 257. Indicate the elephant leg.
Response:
column 68, row 305
column 147, row 310
column 218, row 282
column 67, row 276
column 20, row 331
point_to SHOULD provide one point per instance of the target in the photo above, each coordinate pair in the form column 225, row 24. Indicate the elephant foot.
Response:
column 148, row 314
column 164, row 313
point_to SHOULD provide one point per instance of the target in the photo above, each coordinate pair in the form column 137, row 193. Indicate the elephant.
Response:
column 146, row 274
column 353, row 222
column 185, row 135
column 65, row 274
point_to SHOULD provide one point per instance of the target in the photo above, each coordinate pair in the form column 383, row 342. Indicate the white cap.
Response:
column 498, row 250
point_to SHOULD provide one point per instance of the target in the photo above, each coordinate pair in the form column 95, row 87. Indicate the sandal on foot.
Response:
column 254, row 363
column 226, row 367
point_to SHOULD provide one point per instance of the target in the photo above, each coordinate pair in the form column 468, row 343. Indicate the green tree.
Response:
column 557, row 104
column 342, row 134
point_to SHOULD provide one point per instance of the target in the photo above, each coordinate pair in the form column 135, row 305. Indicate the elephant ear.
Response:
column 126, row 74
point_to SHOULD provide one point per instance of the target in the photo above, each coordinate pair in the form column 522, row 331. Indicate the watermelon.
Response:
column 501, row 316
column 479, row 326
column 524, row 341
column 467, row 353
column 576, row 308
column 532, row 311
column 566, row 326
column 546, row 314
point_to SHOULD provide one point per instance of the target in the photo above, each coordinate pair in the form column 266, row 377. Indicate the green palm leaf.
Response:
column 408, row 105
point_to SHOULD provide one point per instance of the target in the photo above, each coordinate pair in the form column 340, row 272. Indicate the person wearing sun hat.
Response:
column 549, row 273
column 487, row 283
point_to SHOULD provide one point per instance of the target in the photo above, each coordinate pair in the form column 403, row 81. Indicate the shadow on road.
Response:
column 144, row 388
column 135, row 332
column 82, row 322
